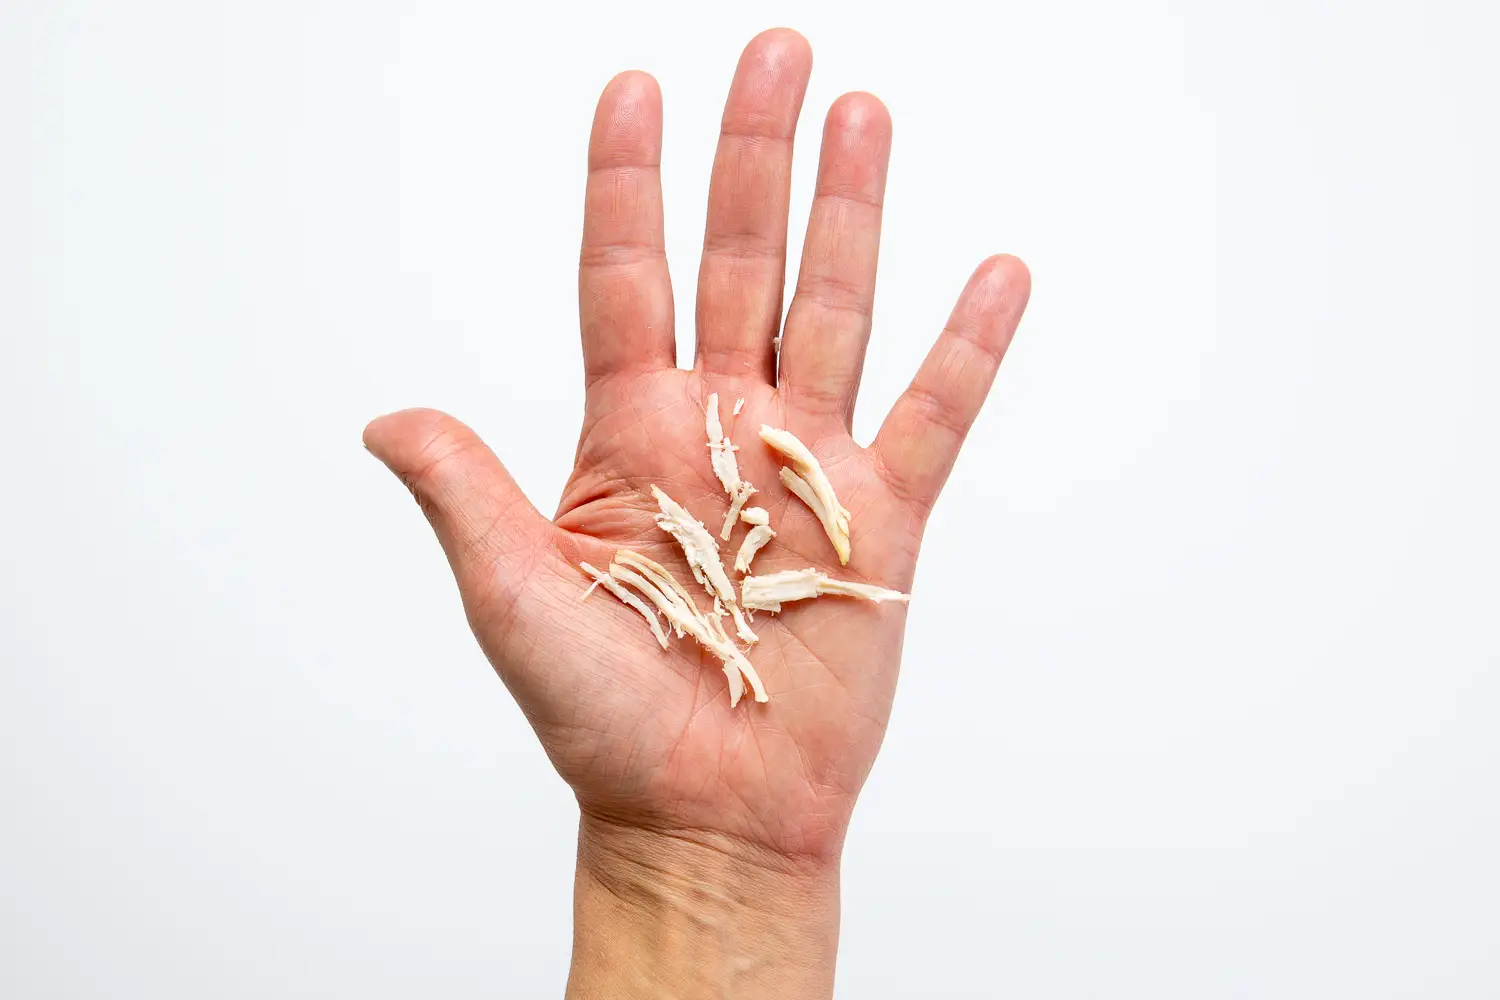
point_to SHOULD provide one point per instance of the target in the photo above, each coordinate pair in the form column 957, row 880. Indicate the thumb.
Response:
column 481, row 517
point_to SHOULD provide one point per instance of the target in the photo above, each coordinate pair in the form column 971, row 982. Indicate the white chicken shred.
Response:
column 661, row 588
column 658, row 574
column 805, row 478
column 702, row 554
column 602, row 579
column 755, row 539
column 678, row 616
column 769, row 592
column 726, row 467
column 739, row 404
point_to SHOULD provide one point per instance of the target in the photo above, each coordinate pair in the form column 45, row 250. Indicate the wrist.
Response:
column 665, row 914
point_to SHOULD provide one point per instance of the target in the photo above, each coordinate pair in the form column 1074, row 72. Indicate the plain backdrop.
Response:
column 1201, row 695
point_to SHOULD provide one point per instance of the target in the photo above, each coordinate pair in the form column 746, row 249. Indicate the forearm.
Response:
column 666, row 917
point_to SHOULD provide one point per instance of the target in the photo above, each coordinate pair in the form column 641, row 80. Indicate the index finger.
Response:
column 624, row 290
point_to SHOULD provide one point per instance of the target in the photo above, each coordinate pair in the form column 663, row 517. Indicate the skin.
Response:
column 710, row 836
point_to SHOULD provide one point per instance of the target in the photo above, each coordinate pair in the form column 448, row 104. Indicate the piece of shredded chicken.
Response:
column 602, row 579
column 769, row 592
column 679, row 616
column 739, row 404
column 659, row 574
column 702, row 554
column 660, row 587
column 721, row 453
column 805, row 478
column 755, row 539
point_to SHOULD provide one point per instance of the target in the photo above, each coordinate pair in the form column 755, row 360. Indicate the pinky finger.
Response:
column 920, row 439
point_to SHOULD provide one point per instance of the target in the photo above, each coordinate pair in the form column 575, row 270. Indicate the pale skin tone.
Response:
column 710, row 836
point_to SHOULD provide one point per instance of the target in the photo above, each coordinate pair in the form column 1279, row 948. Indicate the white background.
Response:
column 1201, row 696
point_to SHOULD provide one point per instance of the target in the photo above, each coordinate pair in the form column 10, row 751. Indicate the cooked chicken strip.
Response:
column 769, row 592
column 724, row 648
column 702, row 554
column 657, row 574
column 602, row 579
column 678, row 607
column 755, row 540
column 681, row 617
column 805, row 478
column 726, row 467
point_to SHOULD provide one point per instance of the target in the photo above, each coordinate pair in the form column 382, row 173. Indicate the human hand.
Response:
column 647, row 739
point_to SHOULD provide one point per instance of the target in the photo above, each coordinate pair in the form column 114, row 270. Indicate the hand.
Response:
column 647, row 738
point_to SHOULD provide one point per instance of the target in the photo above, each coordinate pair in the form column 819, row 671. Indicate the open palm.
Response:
column 647, row 737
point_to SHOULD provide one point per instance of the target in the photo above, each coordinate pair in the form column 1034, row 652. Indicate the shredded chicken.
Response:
column 632, row 576
column 755, row 539
column 721, row 454
column 660, row 587
column 719, row 643
column 602, row 579
column 739, row 404
column 679, row 616
column 659, row 575
column 734, row 510
column 769, row 592
column 702, row 554
column 805, row 478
